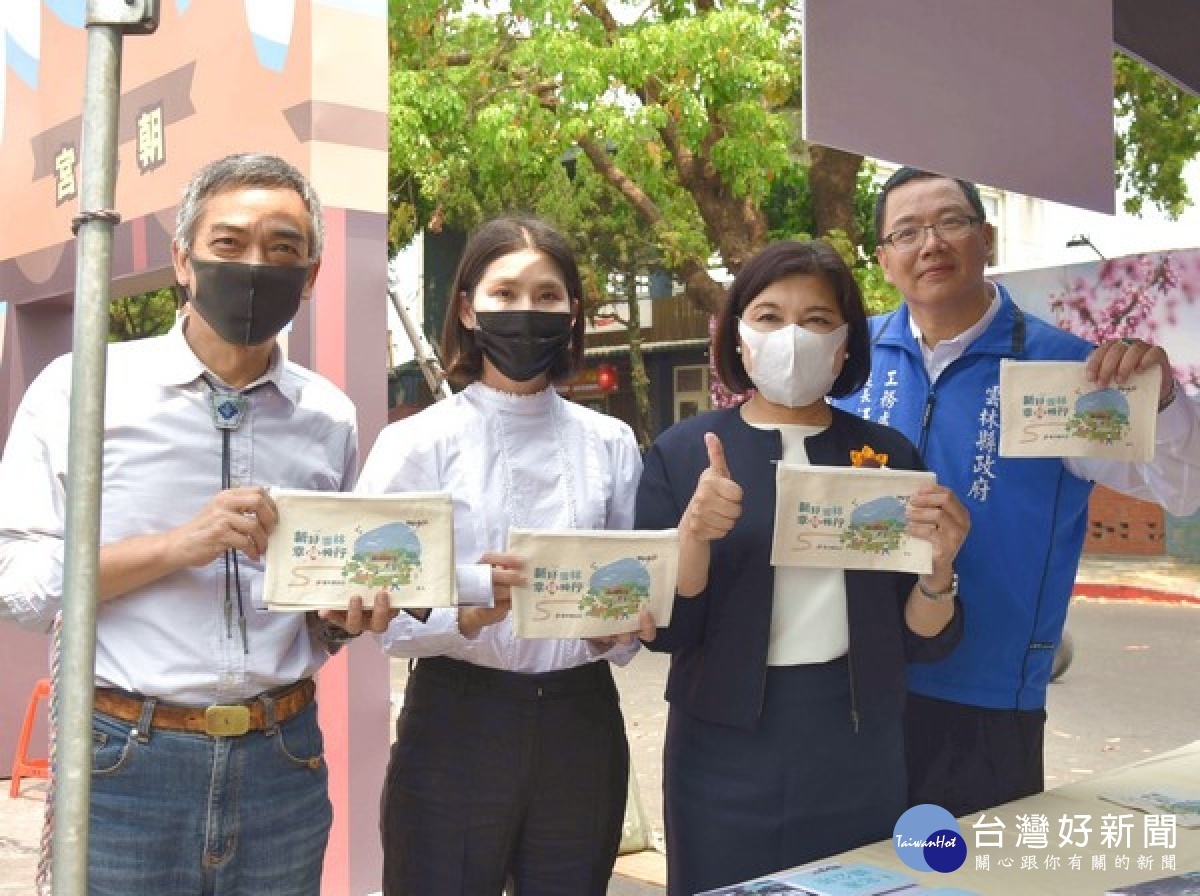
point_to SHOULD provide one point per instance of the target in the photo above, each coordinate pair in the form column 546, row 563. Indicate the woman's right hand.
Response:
column 717, row 502
column 507, row 570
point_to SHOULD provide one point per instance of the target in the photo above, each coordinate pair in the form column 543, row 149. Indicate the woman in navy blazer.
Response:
column 784, row 739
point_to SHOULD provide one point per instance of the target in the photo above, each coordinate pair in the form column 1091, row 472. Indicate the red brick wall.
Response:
column 1121, row 525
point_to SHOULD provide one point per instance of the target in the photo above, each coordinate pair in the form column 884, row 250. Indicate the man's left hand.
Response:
column 1116, row 360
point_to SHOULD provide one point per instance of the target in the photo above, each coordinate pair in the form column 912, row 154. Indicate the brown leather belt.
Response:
column 225, row 720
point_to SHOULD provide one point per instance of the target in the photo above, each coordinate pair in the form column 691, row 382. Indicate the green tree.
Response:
column 790, row 210
column 615, row 259
column 613, row 256
column 136, row 317
column 684, row 110
column 1158, row 133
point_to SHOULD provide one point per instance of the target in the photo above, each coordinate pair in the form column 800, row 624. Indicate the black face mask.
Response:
column 523, row 344
column 247, row 304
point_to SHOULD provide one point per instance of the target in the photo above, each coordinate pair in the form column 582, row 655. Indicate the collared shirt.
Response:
column 946, row 352
column 533, row 461
column 161, row 465
column 1171, row 478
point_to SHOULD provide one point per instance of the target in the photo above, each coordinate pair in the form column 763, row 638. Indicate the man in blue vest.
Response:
column 976, row 719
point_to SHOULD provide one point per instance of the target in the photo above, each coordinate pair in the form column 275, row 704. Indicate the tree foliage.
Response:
column 1158, row 133
column 613, row 256
column 136, row 317
column 683, row 111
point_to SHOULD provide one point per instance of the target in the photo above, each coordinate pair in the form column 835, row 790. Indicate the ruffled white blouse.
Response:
column 532, row 461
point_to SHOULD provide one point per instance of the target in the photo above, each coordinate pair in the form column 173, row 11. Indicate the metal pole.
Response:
column 426, row 359
column 107, row 21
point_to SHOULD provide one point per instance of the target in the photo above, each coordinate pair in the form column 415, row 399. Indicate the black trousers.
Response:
column 968, row 758
column 496, row 774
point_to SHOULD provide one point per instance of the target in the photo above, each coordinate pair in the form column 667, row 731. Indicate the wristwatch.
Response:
column 948, row 593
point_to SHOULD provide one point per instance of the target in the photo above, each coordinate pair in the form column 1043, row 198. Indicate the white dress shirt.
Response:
column 161, row 465
column 532, row 461
column 1171, row 478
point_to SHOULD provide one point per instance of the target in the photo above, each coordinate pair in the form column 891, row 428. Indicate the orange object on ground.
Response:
column 23, row 766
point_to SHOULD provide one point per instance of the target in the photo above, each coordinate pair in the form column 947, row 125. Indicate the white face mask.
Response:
column 792, row 366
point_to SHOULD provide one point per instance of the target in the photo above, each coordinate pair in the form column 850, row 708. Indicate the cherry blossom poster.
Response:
column 1154, row 296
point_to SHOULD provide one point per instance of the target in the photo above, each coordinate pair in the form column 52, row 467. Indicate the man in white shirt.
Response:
column 976, row 719
column 208, row 773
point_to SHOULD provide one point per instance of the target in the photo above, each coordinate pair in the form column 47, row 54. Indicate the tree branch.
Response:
column 601, row 11
column 650, row 93
column 622, row 182
column 702, row 289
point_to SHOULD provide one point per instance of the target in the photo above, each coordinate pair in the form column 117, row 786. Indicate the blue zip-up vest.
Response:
column 1028, row 515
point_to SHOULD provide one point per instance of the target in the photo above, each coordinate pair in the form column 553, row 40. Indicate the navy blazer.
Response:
column 719, row 638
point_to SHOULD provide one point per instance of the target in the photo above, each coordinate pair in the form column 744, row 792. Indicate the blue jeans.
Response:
column 185, row 814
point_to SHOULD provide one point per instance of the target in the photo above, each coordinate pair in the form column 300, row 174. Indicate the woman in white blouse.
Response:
column 510, row 758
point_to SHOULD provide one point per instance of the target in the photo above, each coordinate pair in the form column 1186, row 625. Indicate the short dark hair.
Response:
column 786, row 259
column 495, row 239
column 247, row 169
column 904, row 175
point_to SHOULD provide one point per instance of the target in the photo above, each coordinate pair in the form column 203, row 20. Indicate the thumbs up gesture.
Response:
column 717, row 501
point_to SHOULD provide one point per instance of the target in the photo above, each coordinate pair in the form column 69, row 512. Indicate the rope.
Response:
column 43, row 879
column 107, row 215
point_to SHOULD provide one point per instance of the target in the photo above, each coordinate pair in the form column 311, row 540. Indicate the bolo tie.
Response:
column 228, row 411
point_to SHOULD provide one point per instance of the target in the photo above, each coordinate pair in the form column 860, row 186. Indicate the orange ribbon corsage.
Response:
column 868, row 457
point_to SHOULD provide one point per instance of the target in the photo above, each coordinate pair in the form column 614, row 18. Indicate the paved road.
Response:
column 1130, row 692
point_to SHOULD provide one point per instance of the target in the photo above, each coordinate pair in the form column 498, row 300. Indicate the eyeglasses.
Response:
column 951, row 227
